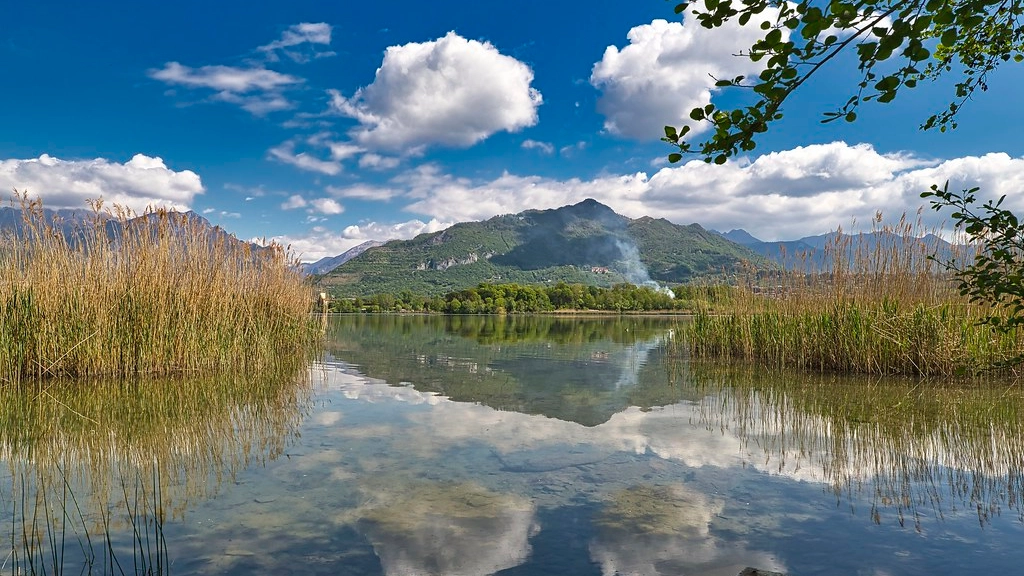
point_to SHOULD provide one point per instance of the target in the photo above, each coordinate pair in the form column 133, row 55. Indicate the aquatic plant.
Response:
column 882, row 307
column 91, row 471
column 913, row 451
column 157, row 294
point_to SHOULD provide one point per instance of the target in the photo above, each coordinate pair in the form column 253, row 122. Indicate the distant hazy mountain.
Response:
column 67, row 221
column 818, row 252
column 740, row 236
column 71, row 223
column 585, row 243
column 325, row 265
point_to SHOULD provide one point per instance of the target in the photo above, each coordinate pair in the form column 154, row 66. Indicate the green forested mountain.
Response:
column 586, row 243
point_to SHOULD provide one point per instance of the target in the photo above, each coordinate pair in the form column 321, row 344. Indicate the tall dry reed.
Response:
column 156, row 294
column 876, row 304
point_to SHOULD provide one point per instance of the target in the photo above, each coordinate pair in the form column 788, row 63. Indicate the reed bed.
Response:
column 151, row 295
column 909, row 451
column 878, row 304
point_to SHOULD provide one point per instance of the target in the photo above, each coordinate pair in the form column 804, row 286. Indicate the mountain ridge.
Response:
column 75, row 224
column 816, row 252
column 587, row 243
column 328, row 263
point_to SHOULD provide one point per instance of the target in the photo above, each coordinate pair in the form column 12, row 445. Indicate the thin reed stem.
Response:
column 874, row 303
column 161, row 293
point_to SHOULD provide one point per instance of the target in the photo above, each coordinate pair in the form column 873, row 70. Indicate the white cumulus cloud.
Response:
column 294, row 201
column 452, row 92
column 327, row 206
column 144, row 181
column 668, row 69
column 779, row 196
column 321, row 242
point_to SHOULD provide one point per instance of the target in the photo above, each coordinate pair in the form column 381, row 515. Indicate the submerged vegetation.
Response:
column 883, row 308
column 91, row 473
column 162, row 293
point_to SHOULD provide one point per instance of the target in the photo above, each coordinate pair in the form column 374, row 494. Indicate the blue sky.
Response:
column 323, row 125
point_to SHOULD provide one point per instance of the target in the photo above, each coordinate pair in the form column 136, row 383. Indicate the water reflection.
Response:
column 924, row 457
column 651, row 529
column 554, row 366
column 94, row 470
column 911, row 447
column 420, row 527
column 906, row 449
column 525, row 446
column 538, row 463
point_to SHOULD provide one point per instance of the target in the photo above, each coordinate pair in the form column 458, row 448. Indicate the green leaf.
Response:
column 887, row 83
column 674, row 157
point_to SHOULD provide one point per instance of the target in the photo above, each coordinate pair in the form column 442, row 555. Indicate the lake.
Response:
column 514, row 445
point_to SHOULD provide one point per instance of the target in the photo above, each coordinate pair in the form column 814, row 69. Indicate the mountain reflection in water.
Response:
column 537, row 445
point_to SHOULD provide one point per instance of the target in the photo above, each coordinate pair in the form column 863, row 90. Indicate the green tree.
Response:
column 561, row 296
column 897, row 44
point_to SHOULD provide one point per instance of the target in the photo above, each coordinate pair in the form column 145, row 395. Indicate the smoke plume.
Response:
column 634, row 270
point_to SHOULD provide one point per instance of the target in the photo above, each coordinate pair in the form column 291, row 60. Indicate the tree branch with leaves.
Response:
column 898, row 44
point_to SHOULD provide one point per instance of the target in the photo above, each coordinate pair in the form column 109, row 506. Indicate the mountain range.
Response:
column 585, row 243
column 325, row 265
column 73, row 224
column 817, row 253
column 66, row 221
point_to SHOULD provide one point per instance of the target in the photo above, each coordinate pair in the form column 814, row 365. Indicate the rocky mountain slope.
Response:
column 584, row 243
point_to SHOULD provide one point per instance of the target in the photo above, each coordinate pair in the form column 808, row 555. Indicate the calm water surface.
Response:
column 518, row 446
